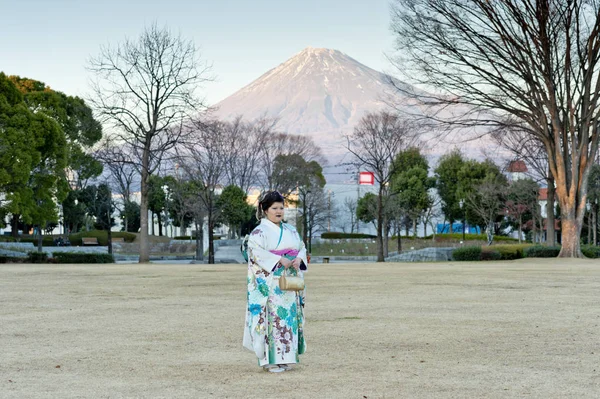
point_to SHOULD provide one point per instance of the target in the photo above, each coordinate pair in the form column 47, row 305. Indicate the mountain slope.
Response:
column 316, row 91
column 323, row 94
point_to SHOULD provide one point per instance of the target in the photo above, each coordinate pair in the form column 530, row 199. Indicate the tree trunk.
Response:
column 200, row 241
column 589, row 227
column 14, row 225
column 399, row 238
column 211, row 244
column 521, row 227
column 160, row 225
column 109, row 238
column 570, row 233
column 415, row 228
column 550, row 212
column 424, row 229
column 490, row 233
column 144, row 247
column 40, row 243
column 595, row 230
column 152, row 222
column 380, row 257
column 386, row 233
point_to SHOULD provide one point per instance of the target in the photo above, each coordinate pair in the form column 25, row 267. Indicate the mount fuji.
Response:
column 320, row 93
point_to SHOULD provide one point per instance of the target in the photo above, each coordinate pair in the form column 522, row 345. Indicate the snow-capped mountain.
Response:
column 318, row 92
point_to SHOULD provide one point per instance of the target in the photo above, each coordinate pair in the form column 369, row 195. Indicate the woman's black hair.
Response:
column 267, row 200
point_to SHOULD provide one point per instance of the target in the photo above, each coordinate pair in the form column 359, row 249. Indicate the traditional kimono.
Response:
column 274, row 318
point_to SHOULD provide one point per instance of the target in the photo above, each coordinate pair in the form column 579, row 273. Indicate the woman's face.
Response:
column 275, row 212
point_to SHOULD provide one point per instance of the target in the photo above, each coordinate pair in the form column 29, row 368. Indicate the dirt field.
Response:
column 525, row 329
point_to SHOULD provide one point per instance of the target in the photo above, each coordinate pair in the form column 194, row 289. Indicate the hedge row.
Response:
column 75, row 239
column 10, row 259
column 79, row 257
column 59, row 257
column 47, row 241
column 333, row 234
column 541, row 251
column 511, row 252
column 591, row 251
column 471, row 253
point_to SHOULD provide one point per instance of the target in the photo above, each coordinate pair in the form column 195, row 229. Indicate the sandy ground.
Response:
column 524, row 329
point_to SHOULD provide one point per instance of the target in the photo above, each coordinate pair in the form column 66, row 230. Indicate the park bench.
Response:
column 89, row 241
column 118, row 240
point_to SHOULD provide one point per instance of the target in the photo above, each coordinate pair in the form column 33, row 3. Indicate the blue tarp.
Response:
column 443, row 228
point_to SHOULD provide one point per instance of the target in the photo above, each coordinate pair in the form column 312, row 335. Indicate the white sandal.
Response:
column 273, row 368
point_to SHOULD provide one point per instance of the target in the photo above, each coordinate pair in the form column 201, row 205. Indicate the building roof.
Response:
column 517, row 166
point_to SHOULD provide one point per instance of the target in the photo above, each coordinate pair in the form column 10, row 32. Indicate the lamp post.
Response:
column 464, row 214
column 305, row 219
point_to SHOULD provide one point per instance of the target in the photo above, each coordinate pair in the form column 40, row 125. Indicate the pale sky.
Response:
column 51, row 40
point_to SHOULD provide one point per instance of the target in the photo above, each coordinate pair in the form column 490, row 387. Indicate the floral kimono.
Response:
column 274, row 318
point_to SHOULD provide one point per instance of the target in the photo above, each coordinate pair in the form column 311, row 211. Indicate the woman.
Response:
column 274, row 318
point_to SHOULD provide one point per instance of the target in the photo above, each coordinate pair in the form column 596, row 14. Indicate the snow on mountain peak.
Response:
column 318, row 92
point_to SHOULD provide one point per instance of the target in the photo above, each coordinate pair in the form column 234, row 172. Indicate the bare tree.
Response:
column 375, row 142
column 204, row 160
column 486, row 201
column 276, row 144
column 350, row 205
column 531, row 150
column 529, row 63
column 146, row 89
column 432, row 213
column 317, row 213
column 246, row 140
column 119, row 165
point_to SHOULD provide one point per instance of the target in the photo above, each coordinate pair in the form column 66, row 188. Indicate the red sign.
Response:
column 366, row 178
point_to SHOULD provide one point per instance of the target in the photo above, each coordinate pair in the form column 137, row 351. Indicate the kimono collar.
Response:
column 271, row 224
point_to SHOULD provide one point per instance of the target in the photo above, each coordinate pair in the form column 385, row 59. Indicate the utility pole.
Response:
column 329, row 210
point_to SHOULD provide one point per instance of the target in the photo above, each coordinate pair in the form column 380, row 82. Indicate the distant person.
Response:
column 274, row 317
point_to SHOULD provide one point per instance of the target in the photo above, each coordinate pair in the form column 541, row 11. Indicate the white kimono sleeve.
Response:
column 258, row 253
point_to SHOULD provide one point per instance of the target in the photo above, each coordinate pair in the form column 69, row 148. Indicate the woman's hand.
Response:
column 296, row 263
column 285, row 262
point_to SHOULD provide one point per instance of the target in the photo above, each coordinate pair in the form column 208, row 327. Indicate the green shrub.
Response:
column 47, row 241
column 489, row 254
column 10, row 259
column 541, row 251
column 591, row 251
column 37, row 257
column 467, row 253
column 80, row 257
column 101, row 235
column 511, row 251
column 333, row 234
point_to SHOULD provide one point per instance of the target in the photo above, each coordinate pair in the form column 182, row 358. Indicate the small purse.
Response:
column 291, row 283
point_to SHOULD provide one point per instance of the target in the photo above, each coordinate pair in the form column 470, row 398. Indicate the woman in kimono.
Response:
column 274, row 318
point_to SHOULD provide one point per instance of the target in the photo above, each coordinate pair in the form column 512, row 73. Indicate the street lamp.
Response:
column 305, row 220
column 461, row 203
